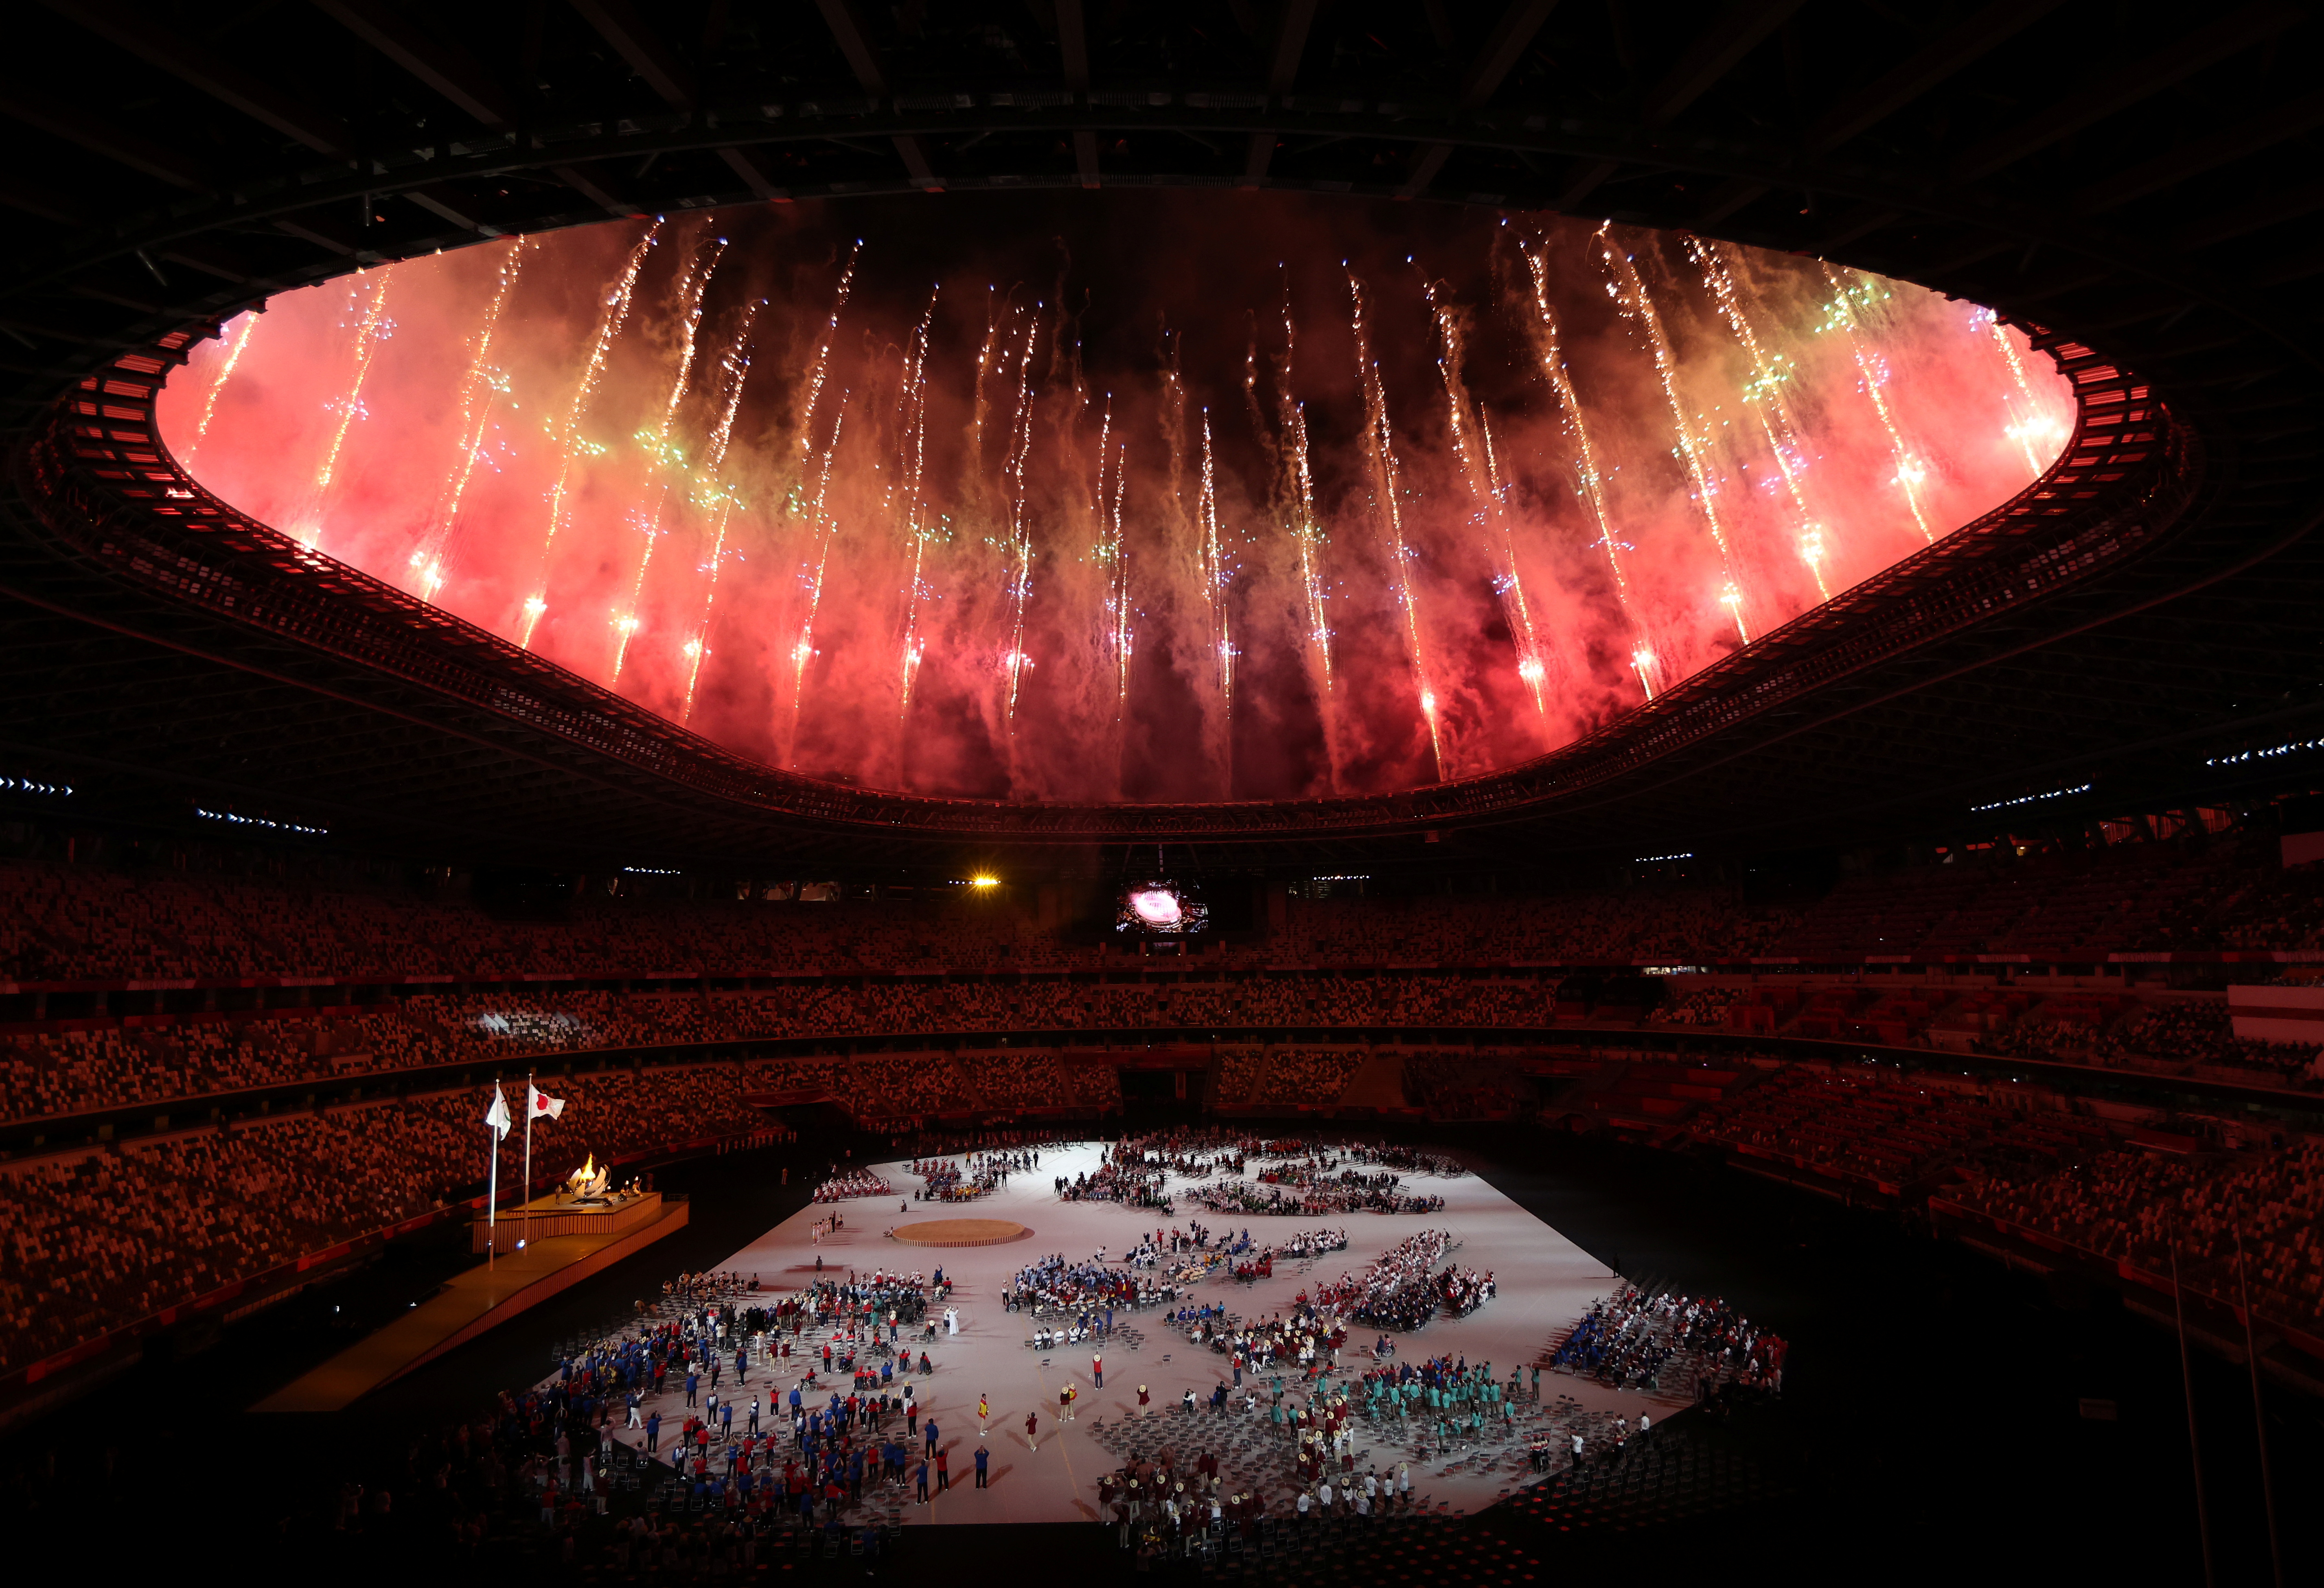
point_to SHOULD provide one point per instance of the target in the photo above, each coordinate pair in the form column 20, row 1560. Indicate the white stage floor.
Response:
column 1545, row 1282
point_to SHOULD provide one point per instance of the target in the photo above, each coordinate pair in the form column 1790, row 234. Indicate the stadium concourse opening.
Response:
column 1277, row 791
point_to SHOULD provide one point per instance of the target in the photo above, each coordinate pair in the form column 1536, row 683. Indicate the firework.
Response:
column 820, row 366
column 1638, row 305
column 1306, row 534
column 1768, row 399
column 373, row 328
column 1018, row 545
column 234, row 352
column 820, row 531
column 478, row 387
column 2038, row 433
column 1119, row 634
column 1844, row 313
column 663, row 455
column 565, row 433
column 1472, row 448
column 994, row 333
column 912, row 472
column 717, row 496
column 805, row 512
column 1589, row 481
column 1215, row 571
column 1381, row 439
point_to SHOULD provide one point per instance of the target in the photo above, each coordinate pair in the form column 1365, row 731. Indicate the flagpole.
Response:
column 529, row 1091
column 492, row 1194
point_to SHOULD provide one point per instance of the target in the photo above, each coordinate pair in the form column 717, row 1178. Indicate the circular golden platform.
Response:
column 960, row 1232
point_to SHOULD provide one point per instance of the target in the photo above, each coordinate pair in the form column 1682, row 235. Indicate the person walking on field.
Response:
column 1032, row 1420
column 983, row 1415
column 1097, row 1371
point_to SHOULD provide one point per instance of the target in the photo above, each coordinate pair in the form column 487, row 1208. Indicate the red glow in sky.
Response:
column 1092, row 498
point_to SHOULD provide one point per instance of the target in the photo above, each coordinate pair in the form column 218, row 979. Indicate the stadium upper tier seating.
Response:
column 89, row 924
column 448, row 984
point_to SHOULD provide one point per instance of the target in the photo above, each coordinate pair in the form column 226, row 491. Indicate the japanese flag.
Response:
column 542, row 1106
column 497, row 1116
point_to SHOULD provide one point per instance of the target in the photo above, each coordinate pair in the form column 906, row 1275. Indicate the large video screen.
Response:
column 1160, row 909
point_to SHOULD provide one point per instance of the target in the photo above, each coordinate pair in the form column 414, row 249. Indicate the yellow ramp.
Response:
column 481, row 1298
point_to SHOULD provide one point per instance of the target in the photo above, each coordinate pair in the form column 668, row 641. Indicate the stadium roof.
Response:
column 2133, row 183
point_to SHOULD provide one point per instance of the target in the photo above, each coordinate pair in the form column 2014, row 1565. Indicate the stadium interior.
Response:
column 1700, row 620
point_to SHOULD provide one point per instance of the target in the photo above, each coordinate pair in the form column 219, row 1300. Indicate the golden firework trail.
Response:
column 1306, row 534
column 1109, row 552
column 663, row 453
column 1472, row 446
column 1533, row 666
column 1768, row 399
column 1015, row 664
column 1842, row 315
column 370, row 332
column 820, row 527
column 1118, row 620
column 913, row 470
column 821, row 365
column 1215, row 572
column 1382, row 438
column 567, row 431
column 2039, row 434
column 1636, row 304
column 995, row 334
column 234, row 352
column 1589, row 479
column 716, row 494
column 1175, row 408
column 478, row 387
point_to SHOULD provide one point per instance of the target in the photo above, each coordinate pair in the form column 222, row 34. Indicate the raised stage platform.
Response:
column 556, row 1215
column 482, row 1299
